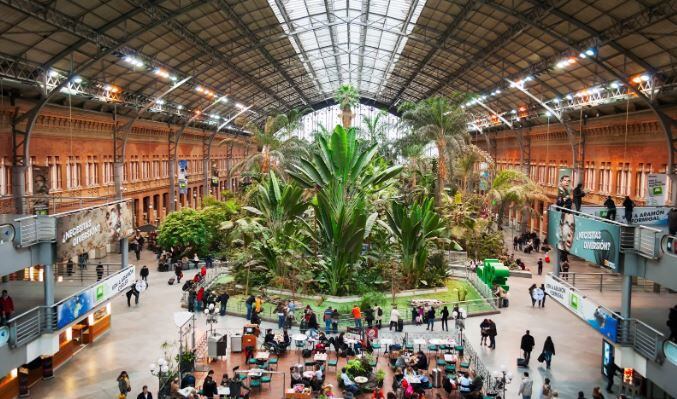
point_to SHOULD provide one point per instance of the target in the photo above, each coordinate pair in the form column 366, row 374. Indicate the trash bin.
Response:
column 236, row 343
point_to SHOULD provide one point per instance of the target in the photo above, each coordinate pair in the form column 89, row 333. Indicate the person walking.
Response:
column 369, row 316
column 610, row 208
column 132, row 291
column 6, row 307
column 578, row 196
column 123, row 384
column 445, row 318
column 145, row 393
column 357, row 317
column 144, row 274
column 192, row 294
column 327, row 320
column 223, row 302
column 99, row 271
column 178, row 272
column 526, row 386
column 378, row 314
column 527, row 345
column 540, row 266
column 430, row 317
column 493, row 332
column 629, row 206
column 538, row 296
column 546, row 390
column 249, row 304
column 281, row 317
column 548, row 352
column 394, row 318
column 611, row 371
column 565, row 269
column 531, row 294
column 545, row 294
column 69, row 267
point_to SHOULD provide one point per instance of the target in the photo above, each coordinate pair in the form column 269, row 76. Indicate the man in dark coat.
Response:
column 610, row 208
column 629, row 206
column 527, row 345
column 578, row 196
column 144, row 274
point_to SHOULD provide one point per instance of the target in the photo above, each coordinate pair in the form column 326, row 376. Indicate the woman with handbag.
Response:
column 123, row 384
column 548, row 352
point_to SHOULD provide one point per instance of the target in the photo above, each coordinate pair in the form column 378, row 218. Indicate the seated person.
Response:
column 296, row 376
column 318, row 372
column 401, row 362
column 323, row 338
column 236, row 386
column 348, row 384
column 409, row 371
column 397, row 379
column 270, row 337
column 286, row 341
column 315, row 384
column 421, row 361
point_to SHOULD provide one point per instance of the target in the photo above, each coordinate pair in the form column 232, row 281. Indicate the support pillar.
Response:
column 48, row 283
column 555, row 259
column 626, row 296
column 19, row 188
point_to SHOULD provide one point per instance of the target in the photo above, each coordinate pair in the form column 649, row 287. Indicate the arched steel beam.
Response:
column 207, row 146
column 174, row 139
column 21, row 137
column 120, row 137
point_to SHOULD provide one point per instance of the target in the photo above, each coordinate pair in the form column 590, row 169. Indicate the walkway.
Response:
column 133, row 343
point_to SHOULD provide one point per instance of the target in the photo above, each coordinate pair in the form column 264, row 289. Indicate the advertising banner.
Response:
column 484, row 176
column 40, row 189
column 596, row 316
column 644, row 215
column 92, row 228
column 656, row 186
column 595, row 241
column 78, row 305
column 183, row 176
column 564, row 176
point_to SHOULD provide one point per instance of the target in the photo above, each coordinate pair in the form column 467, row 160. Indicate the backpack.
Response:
column 380, row 312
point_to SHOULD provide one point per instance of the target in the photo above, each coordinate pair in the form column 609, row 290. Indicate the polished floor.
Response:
column 134, row 342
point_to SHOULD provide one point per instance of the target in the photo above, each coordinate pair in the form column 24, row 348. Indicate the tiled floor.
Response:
column 137, row 333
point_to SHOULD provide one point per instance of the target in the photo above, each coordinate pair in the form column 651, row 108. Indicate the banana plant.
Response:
column 416, row 228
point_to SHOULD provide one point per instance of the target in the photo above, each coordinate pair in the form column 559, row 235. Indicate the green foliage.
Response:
column 342, row 174
column 415, row 228
column 186, row 231
column 514, row 188
column 347, row 96
column 359, row 367
column 372, row 298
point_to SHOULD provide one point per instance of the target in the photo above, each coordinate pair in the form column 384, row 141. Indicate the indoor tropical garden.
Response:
column 376, row 210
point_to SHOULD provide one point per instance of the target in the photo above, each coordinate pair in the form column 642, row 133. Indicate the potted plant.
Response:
column 347, row 97
column 380, row 375
column 186, row 361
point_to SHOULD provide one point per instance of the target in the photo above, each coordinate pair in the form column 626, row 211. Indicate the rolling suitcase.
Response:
column 171, row 281
column 400, row 325
column 521, row 362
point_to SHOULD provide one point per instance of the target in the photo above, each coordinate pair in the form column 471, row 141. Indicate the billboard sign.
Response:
column 40, row 189
column 82, row 231
column 593, row 240
column 656, row 188
column 183, row 176
column 596, row 316
column 644, row 215
column 564, row 177
column 78, row 305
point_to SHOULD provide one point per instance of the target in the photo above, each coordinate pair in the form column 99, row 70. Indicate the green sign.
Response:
column 593, row 240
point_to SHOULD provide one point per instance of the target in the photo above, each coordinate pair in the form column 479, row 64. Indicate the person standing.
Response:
column 526, row 386
column 597, row 393
column 123, row 384
column 430, row 317
column 249, row 304
column 69, row 266
column 132, row 291
column 394, row 318
column 99, row 271
column 223, row 302
column 145, row 393
column 258, row 304
column 540, row 266
column 378, row 314
column 565, row 269
column 191, row 299
column 538, row 296
column 611, row 370
column 199, row 298
column 527, row 345
column 312, row 321
column 629, row 206
column 6, row 307
column 531, row 294
column 281, row 317
column 357, row 317
column 548, row 351
column 334, row 320
column 546, row 391
column 484, row 331
column 610, row 208
column 493, row 332
column 369, row 316
column 545, row 294
column 578, row 196
column 327, row 320
column 144, row 274
column 196, row 260
column 445, row 319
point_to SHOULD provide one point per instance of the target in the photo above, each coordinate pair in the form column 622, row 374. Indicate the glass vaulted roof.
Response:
column 348, row 41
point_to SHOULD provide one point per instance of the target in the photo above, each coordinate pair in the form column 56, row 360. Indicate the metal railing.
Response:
column 85, row 273
column 603, row 281
column 29, row 325
column 53, row 203
column 34, row 229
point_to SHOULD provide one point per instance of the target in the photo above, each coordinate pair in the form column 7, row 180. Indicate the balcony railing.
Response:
column 34, row 229
column 31, row 324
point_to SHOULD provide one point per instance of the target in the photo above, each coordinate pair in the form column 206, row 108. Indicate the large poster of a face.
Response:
column 563, row 182
column 593, row 240
column 82, row 231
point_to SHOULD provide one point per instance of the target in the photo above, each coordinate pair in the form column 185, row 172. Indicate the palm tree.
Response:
column 512, row 187
column 441, row 120
column 347, row 97
column 289, row 122
column 464, row 169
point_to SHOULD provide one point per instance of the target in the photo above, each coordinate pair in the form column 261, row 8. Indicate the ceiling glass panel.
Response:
column 336, row 39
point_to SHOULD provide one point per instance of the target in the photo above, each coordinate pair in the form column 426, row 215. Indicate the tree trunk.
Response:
column 441, row 169
column 346, row 117
column 265, row 160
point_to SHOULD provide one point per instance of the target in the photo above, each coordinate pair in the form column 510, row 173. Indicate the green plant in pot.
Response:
column 380, row 376
column 186, row 361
